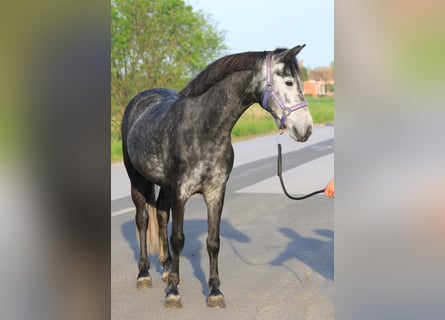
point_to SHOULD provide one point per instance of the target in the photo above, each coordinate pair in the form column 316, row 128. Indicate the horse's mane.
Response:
column 228, row 65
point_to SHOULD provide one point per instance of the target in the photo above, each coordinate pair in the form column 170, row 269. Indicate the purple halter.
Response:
column 270, row 91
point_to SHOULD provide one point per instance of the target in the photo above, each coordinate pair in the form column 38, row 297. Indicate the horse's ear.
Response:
column 290, row 53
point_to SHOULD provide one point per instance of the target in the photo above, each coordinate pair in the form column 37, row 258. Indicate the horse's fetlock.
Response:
column 214, row 283
column 144, row 264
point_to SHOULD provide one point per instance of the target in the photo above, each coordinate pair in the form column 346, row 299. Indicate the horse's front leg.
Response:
column 214, row 200
column 173, row 299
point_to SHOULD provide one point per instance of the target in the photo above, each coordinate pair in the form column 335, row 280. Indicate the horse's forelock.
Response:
column 291, row 65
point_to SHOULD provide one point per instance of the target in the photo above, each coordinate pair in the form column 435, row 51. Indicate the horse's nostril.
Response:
column 309, row 131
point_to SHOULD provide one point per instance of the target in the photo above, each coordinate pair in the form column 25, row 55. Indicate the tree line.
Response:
column 157, row 43
column 318, row 73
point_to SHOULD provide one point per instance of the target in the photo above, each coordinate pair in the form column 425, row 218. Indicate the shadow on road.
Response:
column 194, row 229
column 315, row 253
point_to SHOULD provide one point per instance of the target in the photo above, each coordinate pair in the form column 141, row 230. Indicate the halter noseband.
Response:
column 270, row 91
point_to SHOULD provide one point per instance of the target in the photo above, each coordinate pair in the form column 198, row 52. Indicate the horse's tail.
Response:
column 153, row 230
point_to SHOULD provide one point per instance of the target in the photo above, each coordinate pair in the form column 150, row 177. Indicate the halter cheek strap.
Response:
column 271, row 92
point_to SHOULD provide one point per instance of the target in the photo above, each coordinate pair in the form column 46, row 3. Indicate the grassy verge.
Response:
column 322, row 109
column 116, row 150
column 255, row 121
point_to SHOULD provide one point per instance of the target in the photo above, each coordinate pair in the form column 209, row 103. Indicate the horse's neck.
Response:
column 224, row 103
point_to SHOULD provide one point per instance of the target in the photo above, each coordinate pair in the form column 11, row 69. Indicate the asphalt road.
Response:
column 277, row 255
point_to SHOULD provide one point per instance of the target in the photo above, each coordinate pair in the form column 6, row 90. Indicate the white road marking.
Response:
column 123, row 211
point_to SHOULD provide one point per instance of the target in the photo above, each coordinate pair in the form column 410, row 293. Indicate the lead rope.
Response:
column 280, row 175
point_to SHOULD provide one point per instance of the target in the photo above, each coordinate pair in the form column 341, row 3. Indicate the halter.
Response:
column 270, row 91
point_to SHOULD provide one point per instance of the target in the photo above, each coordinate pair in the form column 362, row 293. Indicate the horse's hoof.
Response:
column 173, row 301
column 216, row 301
column 144, row 282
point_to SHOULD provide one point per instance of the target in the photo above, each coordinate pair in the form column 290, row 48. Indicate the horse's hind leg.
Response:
column 163, row 205
column 173, row 299
column 139, row 194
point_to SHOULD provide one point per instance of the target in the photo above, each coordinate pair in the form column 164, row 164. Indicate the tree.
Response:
column 303, row 73
column 156, row 43
column 321, row 73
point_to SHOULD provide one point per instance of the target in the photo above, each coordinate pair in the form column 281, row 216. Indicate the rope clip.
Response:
column 280, row 136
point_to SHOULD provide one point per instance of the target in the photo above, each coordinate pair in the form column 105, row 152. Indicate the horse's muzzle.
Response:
column 295, row 134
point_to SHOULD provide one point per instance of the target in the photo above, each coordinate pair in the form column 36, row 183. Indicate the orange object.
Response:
column 329, row 189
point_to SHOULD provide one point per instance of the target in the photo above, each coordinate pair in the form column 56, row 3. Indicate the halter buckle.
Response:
column 287, row 111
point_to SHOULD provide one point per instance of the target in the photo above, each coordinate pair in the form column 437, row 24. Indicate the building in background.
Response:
column 318, row 88
column 318, row 82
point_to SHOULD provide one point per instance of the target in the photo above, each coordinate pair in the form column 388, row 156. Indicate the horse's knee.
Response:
column 213, row 244
column 177, row 242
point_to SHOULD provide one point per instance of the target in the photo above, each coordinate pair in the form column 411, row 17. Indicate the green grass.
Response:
column 255, row 121
column 322, row 109
column 116, row 150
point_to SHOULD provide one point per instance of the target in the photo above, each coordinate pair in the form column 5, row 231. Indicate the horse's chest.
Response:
column 203, row 175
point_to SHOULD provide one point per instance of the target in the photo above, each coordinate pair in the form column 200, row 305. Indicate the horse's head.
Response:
column 283, row 95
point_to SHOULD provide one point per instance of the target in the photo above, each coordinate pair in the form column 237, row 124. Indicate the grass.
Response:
column 322, row 109
column 116, row 150
column 255, row 121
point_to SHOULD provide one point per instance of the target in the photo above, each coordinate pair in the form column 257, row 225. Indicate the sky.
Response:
column 269, row 24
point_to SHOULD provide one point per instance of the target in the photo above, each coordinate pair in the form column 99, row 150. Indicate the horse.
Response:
column 181, row 142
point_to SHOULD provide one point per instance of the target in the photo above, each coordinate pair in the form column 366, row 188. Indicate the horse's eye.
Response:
column 289, row 83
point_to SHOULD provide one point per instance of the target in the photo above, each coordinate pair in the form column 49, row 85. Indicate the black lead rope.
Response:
column 280, row 171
